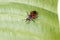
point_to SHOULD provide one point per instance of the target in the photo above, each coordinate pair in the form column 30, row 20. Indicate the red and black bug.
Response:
column 33, row 15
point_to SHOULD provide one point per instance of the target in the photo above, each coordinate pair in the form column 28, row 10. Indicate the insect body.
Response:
column 32, row 15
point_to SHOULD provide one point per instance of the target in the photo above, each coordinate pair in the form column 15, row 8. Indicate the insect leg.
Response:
column 33, row 20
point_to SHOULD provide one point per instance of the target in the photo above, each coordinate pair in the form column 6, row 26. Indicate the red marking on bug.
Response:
column 32, row 15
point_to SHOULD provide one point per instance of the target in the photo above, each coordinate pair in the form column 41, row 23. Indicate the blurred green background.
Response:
column 12, row 20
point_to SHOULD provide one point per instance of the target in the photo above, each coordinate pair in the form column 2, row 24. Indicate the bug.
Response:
column 33, row 15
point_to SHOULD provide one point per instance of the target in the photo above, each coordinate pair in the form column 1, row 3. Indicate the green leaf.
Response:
column 14, row 13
